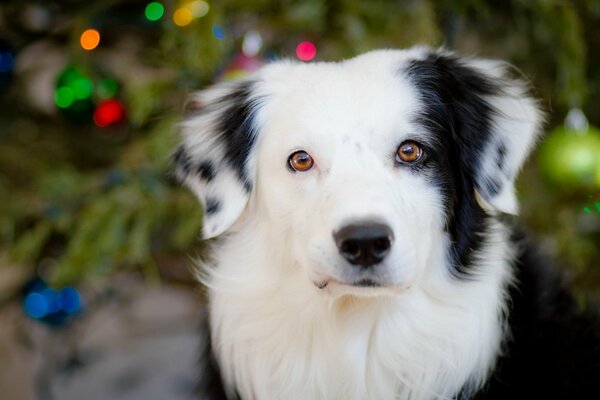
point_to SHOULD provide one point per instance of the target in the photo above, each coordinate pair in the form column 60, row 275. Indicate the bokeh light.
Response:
column 190, row 10
column 154, row 11
column 90, row 39
column 306, row 51
column 72, row 85
column 218, row 32
column 35, row 305
column 82, row 88
column 252, row 43
column 109, row 112
column 64, row 97
column 183, row 16
column 51, row 306
column 199, row 8
column 68, row 300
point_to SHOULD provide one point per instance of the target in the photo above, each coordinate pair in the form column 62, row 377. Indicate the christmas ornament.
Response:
column 51, row 306
column 570, row 156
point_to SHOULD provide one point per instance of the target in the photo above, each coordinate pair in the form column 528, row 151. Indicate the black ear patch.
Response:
column 456, row 112
column 236, row 130
column 206, row 170
column 486, row 124
column 212, row 205
column 218, row 138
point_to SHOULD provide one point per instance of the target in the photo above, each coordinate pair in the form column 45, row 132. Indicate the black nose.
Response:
column 364, row 244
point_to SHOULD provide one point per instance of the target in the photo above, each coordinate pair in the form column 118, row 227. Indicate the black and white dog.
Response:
column 366, row 249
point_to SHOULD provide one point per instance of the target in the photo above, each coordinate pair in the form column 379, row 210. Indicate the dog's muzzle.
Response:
column 365, row 244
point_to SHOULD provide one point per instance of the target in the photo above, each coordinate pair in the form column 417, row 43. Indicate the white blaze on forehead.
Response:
column 322, row 103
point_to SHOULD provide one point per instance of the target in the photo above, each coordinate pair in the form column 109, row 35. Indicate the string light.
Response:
column 189, row 10
column 45, row 303
column 218, row 32
column 199, row 8
column 154, row 11
column 252, row 43
column 90, row 39
column 109, row 112
column 64, row 97
column 306, row 51
column 82, row 88
column 72, row 85
column 183, row 16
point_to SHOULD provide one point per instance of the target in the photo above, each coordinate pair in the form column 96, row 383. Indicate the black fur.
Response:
column 183, row 162
column 210, row 384
column 206, row 170
column 212, row 205
column 456, row 112
column 236, row 130
column 553, row 348
column 501, row 156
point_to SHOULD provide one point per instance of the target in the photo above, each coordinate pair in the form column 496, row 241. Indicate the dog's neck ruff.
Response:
column 276, row 336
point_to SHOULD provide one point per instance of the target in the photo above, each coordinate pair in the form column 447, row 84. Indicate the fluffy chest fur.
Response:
column 276, row 337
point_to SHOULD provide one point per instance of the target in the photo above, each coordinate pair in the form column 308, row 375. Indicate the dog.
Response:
column 365, row 239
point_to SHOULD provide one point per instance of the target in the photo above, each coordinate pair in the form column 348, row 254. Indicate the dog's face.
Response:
column 373, row 171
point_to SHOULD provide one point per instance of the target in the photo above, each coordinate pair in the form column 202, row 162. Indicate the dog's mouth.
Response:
column 363, row 283
column 366, row 283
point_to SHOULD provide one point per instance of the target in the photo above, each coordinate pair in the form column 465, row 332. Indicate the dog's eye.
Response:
column 300, row 161
column 409, row 152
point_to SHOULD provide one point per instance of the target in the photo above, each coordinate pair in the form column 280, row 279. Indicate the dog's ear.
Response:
column 215, row 159
column 492, row 120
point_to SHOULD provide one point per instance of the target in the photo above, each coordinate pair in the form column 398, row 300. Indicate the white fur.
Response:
column 425, row 335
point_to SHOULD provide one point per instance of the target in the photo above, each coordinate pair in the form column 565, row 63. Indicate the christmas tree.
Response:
column 91, row 93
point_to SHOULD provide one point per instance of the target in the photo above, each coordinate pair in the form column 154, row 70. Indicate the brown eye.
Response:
column 300, row 161
column 409, row 152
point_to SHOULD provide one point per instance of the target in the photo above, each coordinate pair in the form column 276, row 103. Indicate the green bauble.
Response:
column 571, row 158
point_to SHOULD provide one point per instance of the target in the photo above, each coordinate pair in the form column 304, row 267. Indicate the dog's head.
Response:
column 370, row 171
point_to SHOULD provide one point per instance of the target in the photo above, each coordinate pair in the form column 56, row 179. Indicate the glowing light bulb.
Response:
column 82, row 88
column 218, row 32
column 64, row 97
column 109, row 112
column 90, row 39
column 252, row 43
column 199, row 8
column 35, row 305
column 154, row 11
column 183, row 16
column 306, row 51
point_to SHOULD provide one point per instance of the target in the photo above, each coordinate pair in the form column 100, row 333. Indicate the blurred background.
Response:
column 96, row 237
